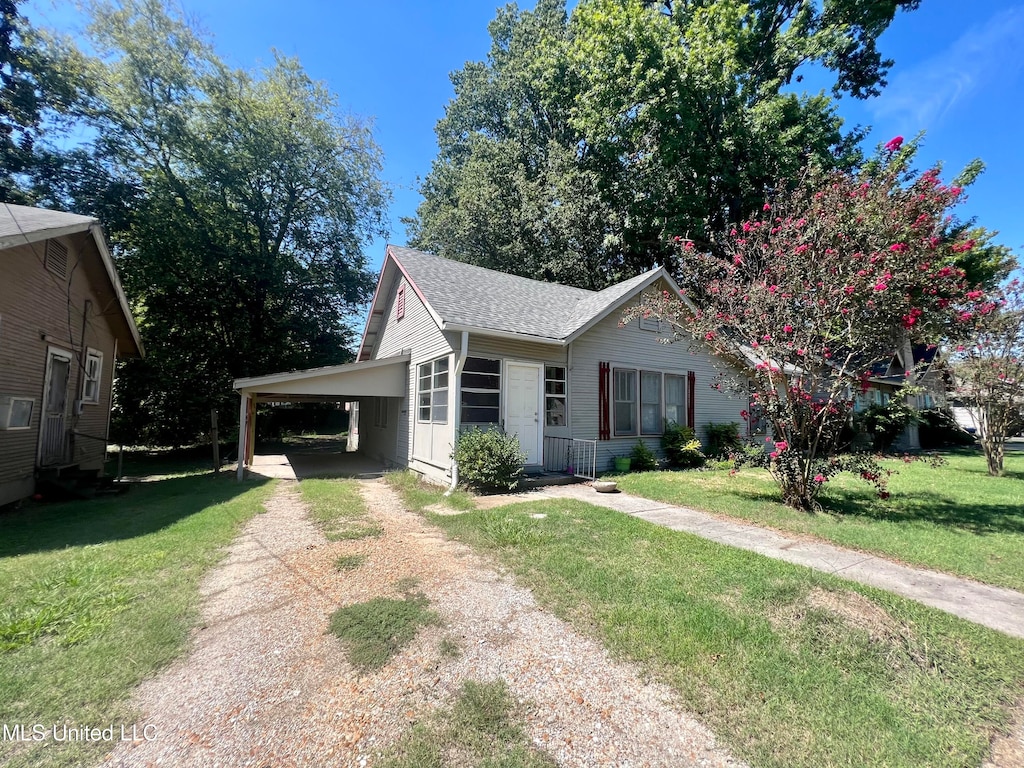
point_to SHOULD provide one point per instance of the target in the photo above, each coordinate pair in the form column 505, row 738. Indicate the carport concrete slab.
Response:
column 995, row 607
column 272, row 465
column 302, row 464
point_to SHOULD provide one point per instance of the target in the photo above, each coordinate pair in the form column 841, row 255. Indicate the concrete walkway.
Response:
column 995, row 607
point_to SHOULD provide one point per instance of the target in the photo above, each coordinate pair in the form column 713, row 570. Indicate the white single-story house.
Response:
column 449, row 345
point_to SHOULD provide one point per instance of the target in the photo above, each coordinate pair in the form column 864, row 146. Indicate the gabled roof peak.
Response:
column 467, row 296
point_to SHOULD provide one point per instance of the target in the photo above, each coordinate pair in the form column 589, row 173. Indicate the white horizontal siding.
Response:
column 416, row 332
column 632, row 347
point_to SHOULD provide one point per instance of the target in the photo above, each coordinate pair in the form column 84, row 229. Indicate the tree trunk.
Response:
column 994, row 457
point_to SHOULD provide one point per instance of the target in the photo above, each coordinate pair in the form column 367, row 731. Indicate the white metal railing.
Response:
column 572, row 456
column 584, row 459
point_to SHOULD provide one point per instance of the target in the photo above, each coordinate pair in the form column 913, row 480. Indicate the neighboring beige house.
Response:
column 64, row 320
column 916, row 364
column 449, row 345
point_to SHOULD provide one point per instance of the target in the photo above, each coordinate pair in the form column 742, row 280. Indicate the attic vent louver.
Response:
column 57, row 258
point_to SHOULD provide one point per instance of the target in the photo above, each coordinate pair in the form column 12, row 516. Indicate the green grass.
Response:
column 954, row 518
column 337, row 507
column 482, row 728
column 790, row 667
column 349, row 562
column 376, row 630
column 99, row 595
column 449, row 647
column 420, row 495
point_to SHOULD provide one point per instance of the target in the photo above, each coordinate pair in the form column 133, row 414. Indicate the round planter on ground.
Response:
column 605, row 486
column 622, row 463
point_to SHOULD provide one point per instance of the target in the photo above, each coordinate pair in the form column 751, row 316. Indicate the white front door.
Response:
column 523, row 407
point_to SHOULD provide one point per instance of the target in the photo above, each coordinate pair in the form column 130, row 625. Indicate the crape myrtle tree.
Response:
column 831, row 277
column 237, row 203
column 989, row 370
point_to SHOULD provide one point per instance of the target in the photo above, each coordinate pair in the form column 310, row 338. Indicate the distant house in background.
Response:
column 64, row 320
column 888, row 379
column 450, row 345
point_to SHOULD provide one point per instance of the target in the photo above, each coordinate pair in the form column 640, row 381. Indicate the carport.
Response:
column 349, row 383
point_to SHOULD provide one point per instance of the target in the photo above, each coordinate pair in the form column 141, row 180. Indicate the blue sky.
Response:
column 959, row 75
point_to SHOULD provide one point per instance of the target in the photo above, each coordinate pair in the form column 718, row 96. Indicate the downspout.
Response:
column 457, row 410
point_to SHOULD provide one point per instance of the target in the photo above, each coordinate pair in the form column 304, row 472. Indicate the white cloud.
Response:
column 985, row 54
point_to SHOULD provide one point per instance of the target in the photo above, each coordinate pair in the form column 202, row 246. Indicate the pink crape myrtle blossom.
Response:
column 827, row 280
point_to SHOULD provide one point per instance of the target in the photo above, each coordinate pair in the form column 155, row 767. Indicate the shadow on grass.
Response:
column 977, row 517
column 147, row 508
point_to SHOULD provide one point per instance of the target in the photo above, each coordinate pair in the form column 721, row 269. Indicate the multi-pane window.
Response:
column 675, row 399
column 624, row 401
column 650, row 403
column 642, row 401
column 481, row 391
column 93, row 377
column 432, row 391
column 554, row 395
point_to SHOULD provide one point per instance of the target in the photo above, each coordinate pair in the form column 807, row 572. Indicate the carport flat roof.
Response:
column 386, row 377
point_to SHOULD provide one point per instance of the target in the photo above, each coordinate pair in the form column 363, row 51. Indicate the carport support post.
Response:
column 243, row 431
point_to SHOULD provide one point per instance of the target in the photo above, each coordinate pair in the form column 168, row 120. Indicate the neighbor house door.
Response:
column 53, row 439
column 524, row 406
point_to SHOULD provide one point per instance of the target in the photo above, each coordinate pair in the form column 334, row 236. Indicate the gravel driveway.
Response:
column 264, row 684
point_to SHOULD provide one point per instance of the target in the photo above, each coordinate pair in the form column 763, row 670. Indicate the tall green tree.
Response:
column 39, row 79
column 238, row 204
column 661, row 119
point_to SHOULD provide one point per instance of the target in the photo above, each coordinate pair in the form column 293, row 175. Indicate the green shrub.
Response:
column 489, row 460
column 885, row 423
column 723, row 439
column 682, row 448
column 643, row 458
column 938, row 429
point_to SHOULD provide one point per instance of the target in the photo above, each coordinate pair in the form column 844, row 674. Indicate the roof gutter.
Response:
column 458, row 328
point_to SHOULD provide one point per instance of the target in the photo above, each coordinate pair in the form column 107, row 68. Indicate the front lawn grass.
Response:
column 337, row 507
column 99, row 595
column 954, row 518
column 790, row 667
column 481, row 728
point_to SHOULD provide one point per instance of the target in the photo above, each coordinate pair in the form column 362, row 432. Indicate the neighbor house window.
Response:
column 400, row 304
column 16, row 412
column 675, row 399
column 650, row 403
column 432, row 391
column 554, row 395
column 481, row 391
column 93, row 377
column 624, row 401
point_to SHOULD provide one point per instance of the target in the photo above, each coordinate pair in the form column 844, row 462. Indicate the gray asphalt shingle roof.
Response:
column 476, row 297
column 19, row 222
